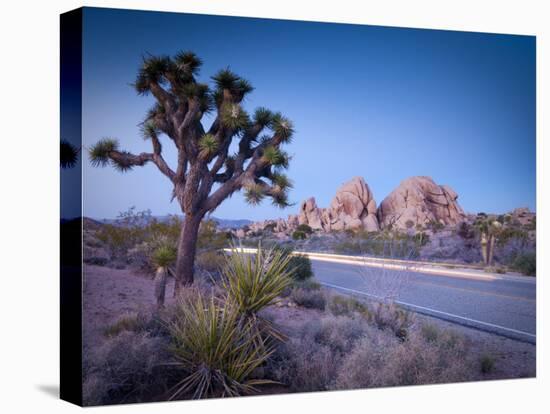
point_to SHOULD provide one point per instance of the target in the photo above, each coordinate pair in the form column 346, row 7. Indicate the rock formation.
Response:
column 419, row 201
column 353, row 207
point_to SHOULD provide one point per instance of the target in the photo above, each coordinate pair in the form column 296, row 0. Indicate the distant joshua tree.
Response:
column 489, row 231
column 207, row 170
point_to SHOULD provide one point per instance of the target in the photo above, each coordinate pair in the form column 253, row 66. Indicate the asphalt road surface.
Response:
column 505, row 305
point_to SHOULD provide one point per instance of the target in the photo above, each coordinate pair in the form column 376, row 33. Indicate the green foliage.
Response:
column 342, row 305
column 254, row 194
column 68, row 155
column 309, row 298
column 253, row 282
column 233, row 116
column 164, row 255
column 282, row 181
column 128, row 322
column 526, row 263
column 263, row 117
column 99, row 153
column 435, row 226
column 487, row 364
column 210, row 238
column 216, row 350
column 465, row 230
column 430, row 332
column 300, row 266
column 299, row 235
column 272, row 155
column 208, row 145
column 305, row 228
column 282, row 127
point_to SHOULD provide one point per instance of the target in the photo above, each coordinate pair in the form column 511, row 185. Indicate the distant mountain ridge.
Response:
column 222, row 223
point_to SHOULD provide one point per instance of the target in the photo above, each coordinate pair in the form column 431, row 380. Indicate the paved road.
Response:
column 502, row 305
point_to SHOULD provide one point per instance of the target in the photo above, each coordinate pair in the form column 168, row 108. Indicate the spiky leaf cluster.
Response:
column 283, row 127
column 208, row 145
column 281, row 180
column 123, row 163
column 68, row 155
column 234, row 117
column 263, row 117
column 254, row 193
column 99, row 153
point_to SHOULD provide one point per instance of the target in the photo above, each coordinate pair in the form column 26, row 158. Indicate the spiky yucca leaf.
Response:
column 280, row 199
column 164, row 255
column 194, row 90
column 148, row 129
column 99, row 153
column 253, row 282
column 154, row 67
column 122, row 164
column 188, row 62
column 242, row 88
column 283, row 127
column 208, row 145
column 254, row 194
column 272, row 155
column 68, row 154
column 263, row 116
column 216, row 349
column 281, row 180
column 226, row 79
column 233, row 116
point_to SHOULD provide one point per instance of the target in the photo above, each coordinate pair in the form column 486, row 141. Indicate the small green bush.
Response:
column 299, row 235
column 341, row 305
column 487, row 364
column 526, row 263
column 131, row 322
column 430, row 332
column 308, row 298
column 304, row 228
column 300, row 267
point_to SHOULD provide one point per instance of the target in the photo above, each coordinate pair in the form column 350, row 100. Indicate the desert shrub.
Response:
column 210, row 260
column 393, row 318
column 210, row 238
column 486, row 364
column 304, row 228
column 435, row 226
column 409, row 224
column 303, row 365
column 430, row 332
column 339, row 333
column 133, row 322
column 342, row 305
column 253, row 282
column 98, row 261
column 216, row 351
column 377, row 360
column 300, row 266
column 465, row 230
column 129, row 367
column 525, row 263
column 308, row 298
column 508, row 233
column 299, row 235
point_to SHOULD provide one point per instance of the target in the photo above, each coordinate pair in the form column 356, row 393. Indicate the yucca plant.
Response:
column 253, row 281
column 68, row 155
column 208, row 145
column 218, row 352
column 163, row 256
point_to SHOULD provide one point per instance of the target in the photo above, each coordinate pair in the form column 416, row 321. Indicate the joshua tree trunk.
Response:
column 491, row 250
column 160, row 286
column 484, row 249
column 187, row 248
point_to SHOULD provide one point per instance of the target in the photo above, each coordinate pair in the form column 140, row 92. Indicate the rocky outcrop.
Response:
column 310, row 214
column 353, row 207
column 419, row 201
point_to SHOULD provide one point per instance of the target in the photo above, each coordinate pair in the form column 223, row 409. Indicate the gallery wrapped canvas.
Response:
column 258, row 206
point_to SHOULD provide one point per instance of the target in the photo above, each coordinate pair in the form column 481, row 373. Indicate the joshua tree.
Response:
column 207, row 170
column 489, row 230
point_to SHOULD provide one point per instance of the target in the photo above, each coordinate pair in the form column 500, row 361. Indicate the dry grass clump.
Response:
column 210, row 261
column 133, row 322
column 129, row 367
column 308, row 298
column 342, row 305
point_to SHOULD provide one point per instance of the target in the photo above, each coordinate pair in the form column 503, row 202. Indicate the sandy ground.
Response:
column 111, row 293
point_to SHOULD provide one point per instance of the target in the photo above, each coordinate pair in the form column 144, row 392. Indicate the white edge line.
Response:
column 434, row 311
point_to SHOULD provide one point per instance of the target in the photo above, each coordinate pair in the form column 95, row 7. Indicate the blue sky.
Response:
column 378, row 102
